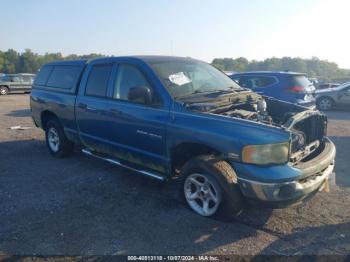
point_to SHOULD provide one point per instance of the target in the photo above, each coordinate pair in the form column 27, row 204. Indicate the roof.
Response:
column 269, row 73
column 68, row 62
column 145, row 58
column 149, row 58
column 153, row 58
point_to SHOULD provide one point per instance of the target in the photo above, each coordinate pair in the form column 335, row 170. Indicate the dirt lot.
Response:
column 85, row 206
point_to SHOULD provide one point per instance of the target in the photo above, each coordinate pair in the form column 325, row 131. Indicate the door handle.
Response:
column 115, row 112
column 81, row 105
column 91, row 108
column 85, row 106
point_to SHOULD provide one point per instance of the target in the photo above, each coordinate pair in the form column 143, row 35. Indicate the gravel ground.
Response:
column 80, row 206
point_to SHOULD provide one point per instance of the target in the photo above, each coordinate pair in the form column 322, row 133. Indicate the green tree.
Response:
column 11, row 61
column 28, row 62
column 313, row 67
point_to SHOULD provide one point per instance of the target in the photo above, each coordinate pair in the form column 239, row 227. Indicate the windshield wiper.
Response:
column 214, row 91
column 211, row 92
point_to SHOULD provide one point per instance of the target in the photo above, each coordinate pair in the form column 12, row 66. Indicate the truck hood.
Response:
column 267, row 117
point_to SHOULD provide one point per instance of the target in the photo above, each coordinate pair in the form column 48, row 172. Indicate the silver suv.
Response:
column 16, row 83
column 327, row 99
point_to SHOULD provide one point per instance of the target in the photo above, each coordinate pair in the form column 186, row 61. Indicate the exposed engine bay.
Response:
column 307, row 126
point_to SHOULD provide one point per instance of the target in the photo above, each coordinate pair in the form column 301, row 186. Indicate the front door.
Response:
column 137, row 130
column 27, row 82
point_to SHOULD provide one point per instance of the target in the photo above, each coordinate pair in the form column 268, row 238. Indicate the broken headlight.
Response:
column 266, row 154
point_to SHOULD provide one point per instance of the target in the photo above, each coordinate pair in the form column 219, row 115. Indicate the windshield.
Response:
column 186, row 77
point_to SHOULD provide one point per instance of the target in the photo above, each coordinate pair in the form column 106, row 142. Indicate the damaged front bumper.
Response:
column 286, row 185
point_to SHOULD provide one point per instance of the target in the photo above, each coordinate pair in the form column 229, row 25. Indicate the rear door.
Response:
column 16, row 83
column 261, row 84
column 92, row 107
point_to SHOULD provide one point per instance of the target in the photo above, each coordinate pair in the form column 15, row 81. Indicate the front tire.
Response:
column 56, row 141
column 4, row 90
column 210, row 187
column 325, row 103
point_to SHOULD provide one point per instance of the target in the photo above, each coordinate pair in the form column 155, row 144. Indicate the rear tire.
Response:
column 325, row 103
column 206, row 179
column 4, row 90
column 56, row 141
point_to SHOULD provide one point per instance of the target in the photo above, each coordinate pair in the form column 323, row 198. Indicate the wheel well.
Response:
column 5, row 86
column 183, row 152
column 45, row 117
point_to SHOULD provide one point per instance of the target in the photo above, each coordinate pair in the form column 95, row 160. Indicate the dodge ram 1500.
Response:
column 173, row 117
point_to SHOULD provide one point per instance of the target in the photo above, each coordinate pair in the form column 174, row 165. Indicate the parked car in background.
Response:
column 327, row 85
column 16, row 83
column 287, row 86
column 327, row 99
column 180, row 118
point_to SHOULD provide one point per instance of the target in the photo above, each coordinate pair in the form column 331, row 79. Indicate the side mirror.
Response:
column 140, row 94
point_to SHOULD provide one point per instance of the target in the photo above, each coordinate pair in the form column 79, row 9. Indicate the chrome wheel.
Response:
column 3, row 91
column 53, row 139
column 202, row 194
column 325, row 104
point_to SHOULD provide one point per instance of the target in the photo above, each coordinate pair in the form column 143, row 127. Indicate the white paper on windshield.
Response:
column 179, row 79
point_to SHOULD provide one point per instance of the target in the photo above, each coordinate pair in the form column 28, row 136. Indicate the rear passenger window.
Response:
column 17, row 79
column 97, row 83
column 256, row 81
column 26, row 78
column 43, row 75
column 64, row 76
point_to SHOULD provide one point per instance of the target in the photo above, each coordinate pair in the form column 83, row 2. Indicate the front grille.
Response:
column 308, row 131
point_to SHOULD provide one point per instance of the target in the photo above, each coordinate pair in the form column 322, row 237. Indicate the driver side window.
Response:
column 129, row 77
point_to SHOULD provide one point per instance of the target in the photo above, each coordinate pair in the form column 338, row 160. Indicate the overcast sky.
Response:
column 202, row 29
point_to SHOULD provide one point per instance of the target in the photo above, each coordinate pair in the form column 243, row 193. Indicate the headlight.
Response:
column 266, row 154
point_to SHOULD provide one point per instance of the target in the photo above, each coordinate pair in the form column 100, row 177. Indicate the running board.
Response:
column 115, row 162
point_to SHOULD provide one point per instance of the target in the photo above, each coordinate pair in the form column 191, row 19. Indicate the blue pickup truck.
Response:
column 174, row 118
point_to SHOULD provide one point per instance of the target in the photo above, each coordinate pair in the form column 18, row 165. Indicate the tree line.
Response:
column 12, row 61
column 314, row 67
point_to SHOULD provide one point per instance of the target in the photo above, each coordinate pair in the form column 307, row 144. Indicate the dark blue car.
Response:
column 287, row 86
